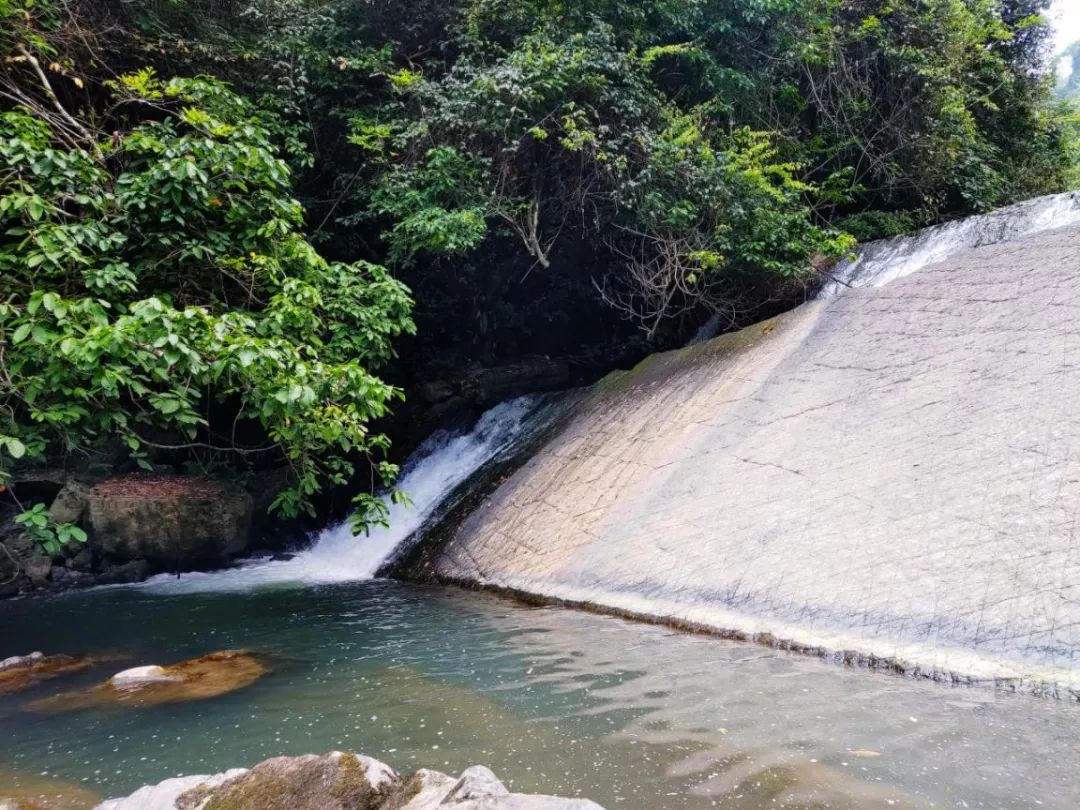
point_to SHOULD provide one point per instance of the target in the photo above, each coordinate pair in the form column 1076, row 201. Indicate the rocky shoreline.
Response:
column 136, row 525
column 337, row 781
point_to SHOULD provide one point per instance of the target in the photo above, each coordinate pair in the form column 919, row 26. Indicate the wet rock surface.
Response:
column 889, row 476
column 22, row 671
column 336, row 781
column 197, row 679
column 446, row 402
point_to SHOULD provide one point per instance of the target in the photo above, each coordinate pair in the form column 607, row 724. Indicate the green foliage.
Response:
column 637, row 130
column 435, row 204
column 938, row 106
column 51, row 537
column 452, row 130
column 155, row 281
column 879, row 224
column 520, row 142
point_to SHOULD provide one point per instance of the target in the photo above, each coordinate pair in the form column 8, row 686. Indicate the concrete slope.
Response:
column 890, row 476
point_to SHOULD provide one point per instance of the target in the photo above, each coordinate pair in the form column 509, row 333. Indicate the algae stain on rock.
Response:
column 197, row 679
column 22, row 672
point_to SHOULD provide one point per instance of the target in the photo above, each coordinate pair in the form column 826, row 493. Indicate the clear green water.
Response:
column 632, row 716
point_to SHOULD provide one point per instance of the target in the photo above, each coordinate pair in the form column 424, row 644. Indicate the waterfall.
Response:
column 878, row 263
column 437, row 467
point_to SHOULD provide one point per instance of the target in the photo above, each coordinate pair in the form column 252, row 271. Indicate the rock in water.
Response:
column 21, row 671
column 197, row 679
column 137, row 676
column 174, row 522
column 336, row 781
column 889, row 476
column 476, row 783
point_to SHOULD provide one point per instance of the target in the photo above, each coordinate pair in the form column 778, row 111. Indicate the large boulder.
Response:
column 476, row 789
column 174, row 522
column 163, row 795
column 336, row 781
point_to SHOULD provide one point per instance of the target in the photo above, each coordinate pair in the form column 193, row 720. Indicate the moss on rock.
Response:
column 336, row 781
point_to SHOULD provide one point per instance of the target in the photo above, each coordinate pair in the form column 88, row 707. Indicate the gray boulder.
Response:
column 336, row 781
column 476, row 789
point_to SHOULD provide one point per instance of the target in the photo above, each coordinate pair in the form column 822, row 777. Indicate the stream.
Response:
column 558, row 701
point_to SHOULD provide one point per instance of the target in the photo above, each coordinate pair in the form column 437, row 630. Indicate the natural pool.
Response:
column 632, row 716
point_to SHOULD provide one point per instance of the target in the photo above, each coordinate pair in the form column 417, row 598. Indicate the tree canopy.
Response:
column 156, row 287
column 681, row 156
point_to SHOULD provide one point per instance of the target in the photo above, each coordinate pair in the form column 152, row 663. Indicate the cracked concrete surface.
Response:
column 889, row 476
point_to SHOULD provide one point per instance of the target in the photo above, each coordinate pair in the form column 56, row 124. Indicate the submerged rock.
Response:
column 174, row 522
column 336, row 781
column 198, row 679
column 22, row 671
column 22, row 791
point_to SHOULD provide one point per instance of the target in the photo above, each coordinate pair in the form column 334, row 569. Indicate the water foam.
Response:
column 878, row 263
column 438, row 466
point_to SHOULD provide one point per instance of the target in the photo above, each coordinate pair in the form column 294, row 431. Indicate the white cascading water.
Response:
column 710, row 329
column 878, row 263
column 337, row 555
